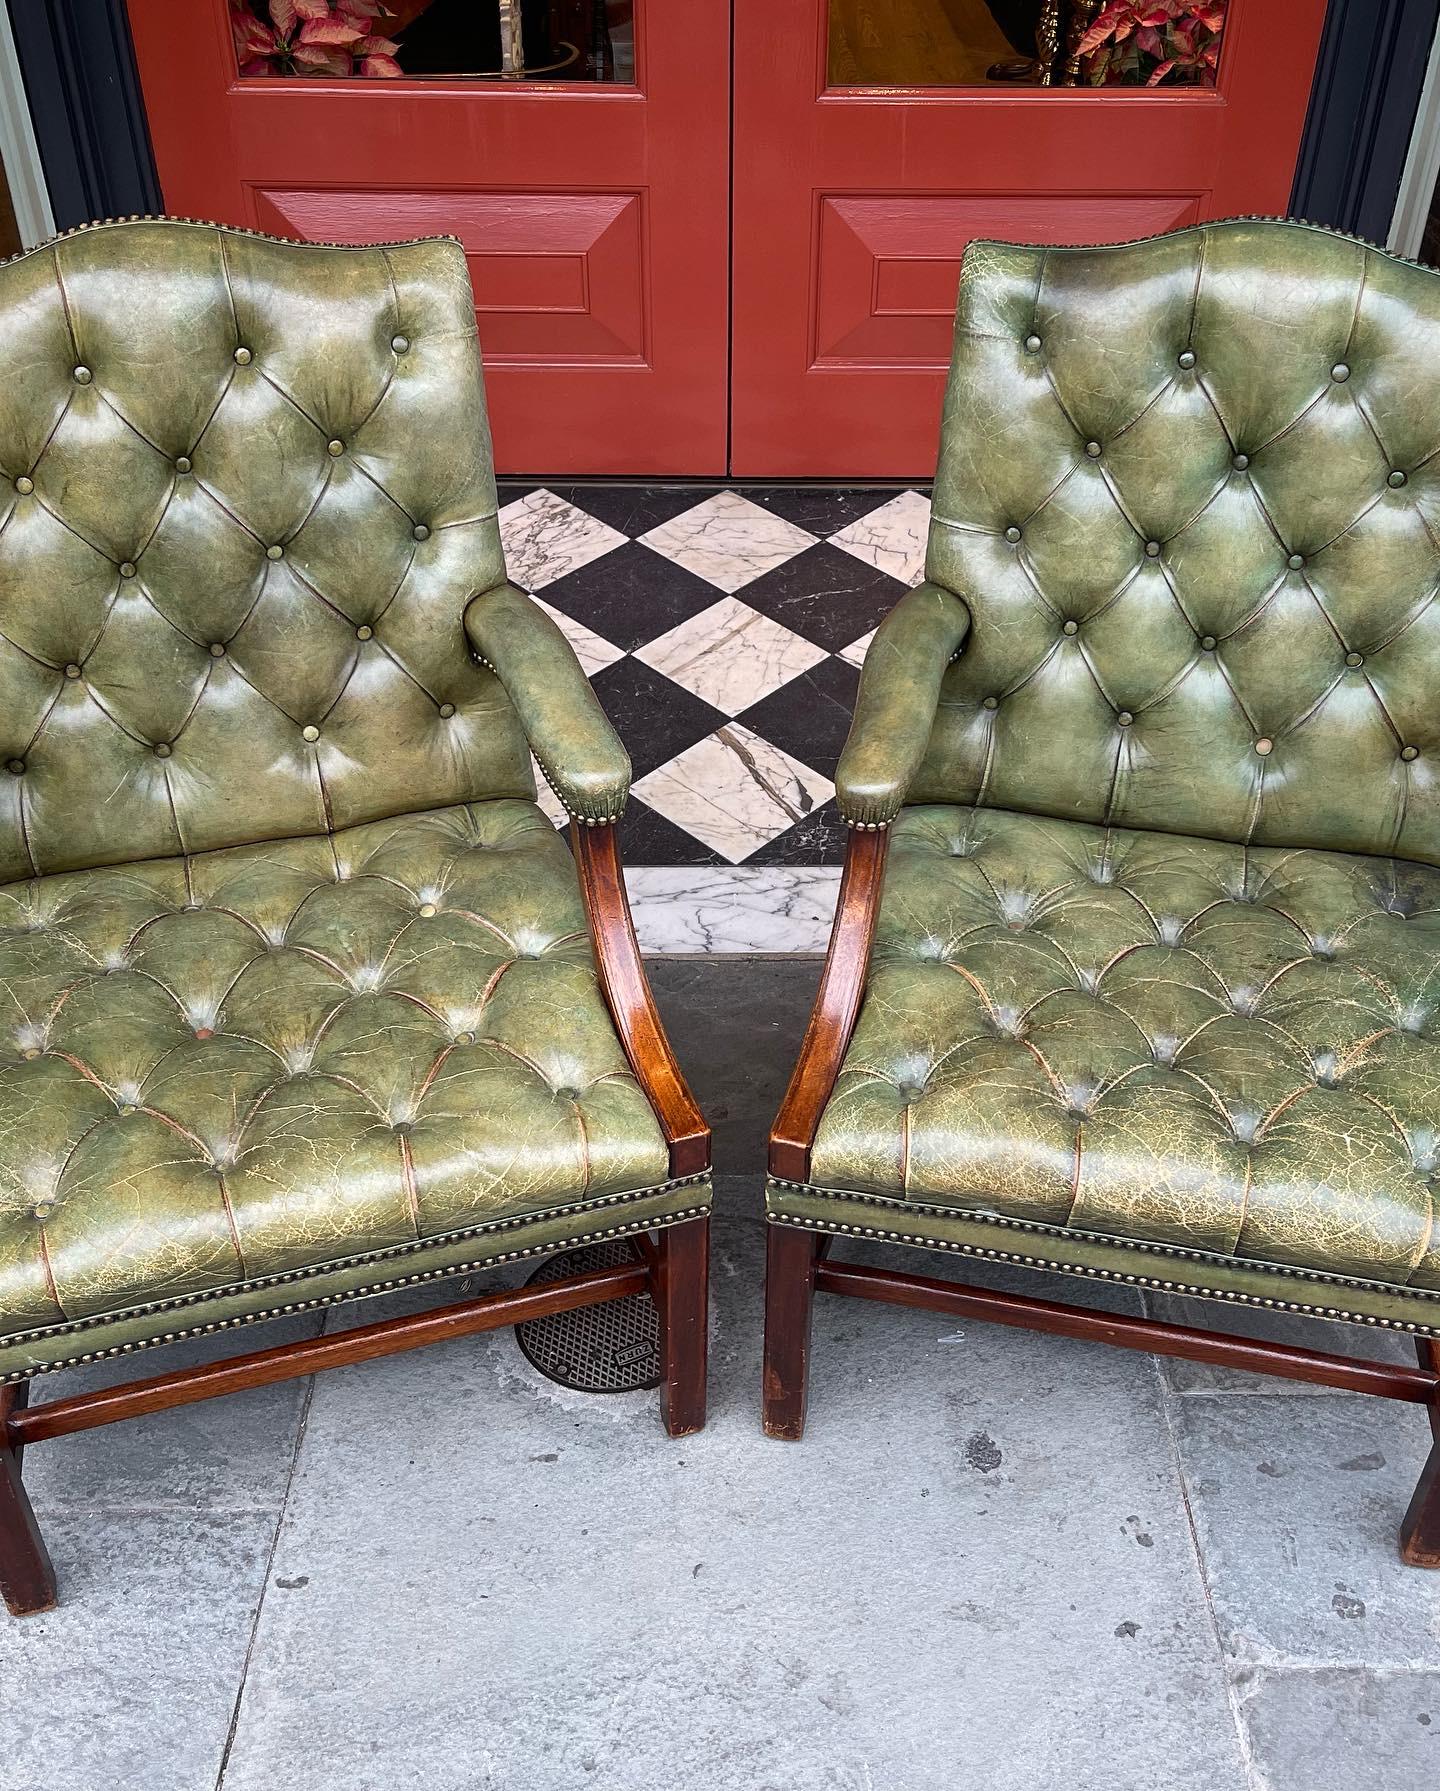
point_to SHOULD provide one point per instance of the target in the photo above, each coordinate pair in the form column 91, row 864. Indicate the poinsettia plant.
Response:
column 1140, row 43
column 314, row 37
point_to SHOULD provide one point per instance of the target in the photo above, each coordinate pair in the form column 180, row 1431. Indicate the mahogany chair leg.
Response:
column 682, row 1285
column 1420, row 1529
column 790, row 1259
column 27, row 1580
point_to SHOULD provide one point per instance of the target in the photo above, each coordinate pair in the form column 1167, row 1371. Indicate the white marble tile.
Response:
column 731, row 655
column 544, row 538
column 891, row 538
column 728, row 540
column 733, row 908
column 856, row 651
column 593, row 653
column 734, row 791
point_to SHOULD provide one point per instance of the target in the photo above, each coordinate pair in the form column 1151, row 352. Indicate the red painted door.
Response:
column 595, row 212
column 853, row 203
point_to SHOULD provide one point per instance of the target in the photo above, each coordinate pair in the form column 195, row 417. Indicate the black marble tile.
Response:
column 825, row 594
column 821, row 509
column 632, row 595
column 810, row 716
column 655, row 717
column 508, row 490
column 646, row 837
column 633, row 509
column 818, row 839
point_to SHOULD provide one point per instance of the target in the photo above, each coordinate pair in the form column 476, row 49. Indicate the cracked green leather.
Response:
column 1189, row 494
column 576, row 747
column 281, row 1058
column 895, row 705
column 296, row 992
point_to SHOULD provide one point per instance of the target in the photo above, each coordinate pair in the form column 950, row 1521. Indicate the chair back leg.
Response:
column 1420, row 1530
column 27, row 1580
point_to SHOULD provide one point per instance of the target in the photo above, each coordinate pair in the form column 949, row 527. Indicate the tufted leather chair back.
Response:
column 245, row 493
column 1190, row 490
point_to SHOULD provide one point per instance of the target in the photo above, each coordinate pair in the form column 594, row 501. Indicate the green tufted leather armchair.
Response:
column 303, row 996
column 1136, row 972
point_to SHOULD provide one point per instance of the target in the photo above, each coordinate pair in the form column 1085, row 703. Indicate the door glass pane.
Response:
column 517, row 40
column 1033, row 43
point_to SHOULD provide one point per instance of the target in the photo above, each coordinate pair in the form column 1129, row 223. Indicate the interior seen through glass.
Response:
column 549, row 40
column 1034, row 43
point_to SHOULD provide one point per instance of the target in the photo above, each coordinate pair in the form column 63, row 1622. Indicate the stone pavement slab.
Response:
column 976, row 1570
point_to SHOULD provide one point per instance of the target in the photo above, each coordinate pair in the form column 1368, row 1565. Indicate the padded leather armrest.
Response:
column 895, row 710
column 573, row 742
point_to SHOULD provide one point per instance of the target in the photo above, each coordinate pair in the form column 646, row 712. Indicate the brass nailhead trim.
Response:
column 630, row 1229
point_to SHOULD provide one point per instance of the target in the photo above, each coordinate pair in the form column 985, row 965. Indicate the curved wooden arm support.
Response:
column 837, row 1006
column 632, row 1006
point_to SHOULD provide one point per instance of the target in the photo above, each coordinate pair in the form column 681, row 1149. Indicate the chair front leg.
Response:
column 682, row 1294
column 790, row 1259
column 27, row 1580
column 1420, row 1529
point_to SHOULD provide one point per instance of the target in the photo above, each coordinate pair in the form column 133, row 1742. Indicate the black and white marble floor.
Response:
column 723, row 631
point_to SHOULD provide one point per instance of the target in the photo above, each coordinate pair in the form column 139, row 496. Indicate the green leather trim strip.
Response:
column 456, row 1253
column 1415, row 1311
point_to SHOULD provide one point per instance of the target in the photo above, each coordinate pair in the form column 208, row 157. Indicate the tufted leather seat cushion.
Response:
column 366, row 1053
column 1101, row 1037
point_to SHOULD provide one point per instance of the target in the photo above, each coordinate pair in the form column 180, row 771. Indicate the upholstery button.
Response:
column 1340, row 371
column 420, row 532
column 310, row 733
column 401, row 344
column 1093, row 450
column 1353, row 659
column 1409, row 752
column 182, row 463
column 1032, row 345
column 364, row 632
column 446, row 711
column 1012, row 534
column 427, row 910
column 464, row 1038
column 24, row 486
column 335, row 447
column 1125, row 718
column 274, row 551
column 30, row 1053
column 243, row 357
column 991, row 703
column 217, row 649
column 83, row 376
column 72, row 670
column 1295, row 562
column 127, row 569
column 1071, row 627
column 43, row 1209
column 1239, row 462
column 16, row 767
column 1152, row 550
column 1207, row 641
column 1264, row 746
column 1187, row 358
column 162, row 749
column 1396, row 479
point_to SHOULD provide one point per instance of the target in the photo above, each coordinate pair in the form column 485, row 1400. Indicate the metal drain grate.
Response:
column 614, row 1348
